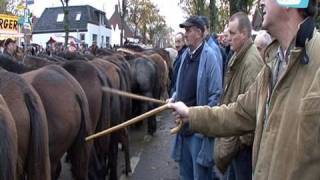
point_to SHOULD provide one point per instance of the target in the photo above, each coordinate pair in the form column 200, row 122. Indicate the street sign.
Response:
column 29, row 2
column 293, row 3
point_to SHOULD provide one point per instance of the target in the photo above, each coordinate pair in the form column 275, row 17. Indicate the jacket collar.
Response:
column 234, row 59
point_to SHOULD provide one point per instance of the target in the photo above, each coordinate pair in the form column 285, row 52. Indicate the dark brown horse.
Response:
column 30, row 119
column 113, row 75
column 92, row 80
column 68, row 117
column 8, row 143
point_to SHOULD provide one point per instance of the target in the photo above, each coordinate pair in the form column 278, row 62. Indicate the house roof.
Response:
column 115, row 20
column 48, row 21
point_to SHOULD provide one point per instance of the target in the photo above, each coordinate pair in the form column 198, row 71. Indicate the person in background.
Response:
column 94, row 48
column 262, row 40
column 1, row 46
column 180, row 45
column 198, row 83
column 282, row 105
column 212, row 42
column 9, row 47
column 233, row 154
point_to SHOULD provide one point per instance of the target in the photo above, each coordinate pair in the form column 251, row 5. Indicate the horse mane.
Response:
column 7, row 63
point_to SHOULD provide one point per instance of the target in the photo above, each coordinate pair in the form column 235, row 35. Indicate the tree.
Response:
column 145, row 17
column 7, row 7
column 218, row 11
column 65, row 6
column 123, row 15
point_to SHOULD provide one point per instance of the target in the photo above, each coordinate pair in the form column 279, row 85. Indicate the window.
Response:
column 94, row 38
column 60, row 17
column 107, row 41
column 78, row 17
column 82, row 37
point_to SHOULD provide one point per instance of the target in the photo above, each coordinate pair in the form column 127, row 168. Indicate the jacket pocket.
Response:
column 308, row 138
column 310, row 105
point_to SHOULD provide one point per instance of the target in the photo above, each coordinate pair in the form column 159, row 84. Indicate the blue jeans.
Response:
column 189, row 168
column 241, row 166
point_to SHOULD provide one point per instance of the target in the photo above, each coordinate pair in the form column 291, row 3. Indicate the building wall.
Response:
column 100, row 31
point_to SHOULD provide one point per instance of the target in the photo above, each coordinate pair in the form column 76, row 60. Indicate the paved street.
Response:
column 150, row 156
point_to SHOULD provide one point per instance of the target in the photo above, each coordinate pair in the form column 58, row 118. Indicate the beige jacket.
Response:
column 243, row 69
column 287, row 139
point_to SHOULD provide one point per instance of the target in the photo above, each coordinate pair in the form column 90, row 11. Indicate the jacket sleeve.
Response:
column 214, row 80
column 234, row 119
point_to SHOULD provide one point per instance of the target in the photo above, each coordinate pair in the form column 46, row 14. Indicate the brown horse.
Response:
column 8, row 143
column 68, row 117
column 30, row 119
column 113, row 75
column 92, row 80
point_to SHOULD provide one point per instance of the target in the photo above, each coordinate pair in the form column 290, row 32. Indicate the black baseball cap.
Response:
column 193, row 21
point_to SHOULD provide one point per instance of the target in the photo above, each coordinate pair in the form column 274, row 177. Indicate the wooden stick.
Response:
column 133, row 96
column 129, row 122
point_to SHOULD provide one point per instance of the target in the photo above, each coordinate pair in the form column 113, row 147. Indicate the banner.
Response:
column 8, row 23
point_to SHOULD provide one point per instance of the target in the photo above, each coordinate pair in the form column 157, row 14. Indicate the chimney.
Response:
column 116, row 9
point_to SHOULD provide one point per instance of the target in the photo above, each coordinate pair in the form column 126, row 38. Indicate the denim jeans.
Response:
column 188, row 167
column 241, row 166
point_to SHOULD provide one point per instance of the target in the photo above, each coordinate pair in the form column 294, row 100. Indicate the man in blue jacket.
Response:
column 198, row 83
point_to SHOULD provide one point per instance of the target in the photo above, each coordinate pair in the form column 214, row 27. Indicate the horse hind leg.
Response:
column 79, row 151
column 125, row 145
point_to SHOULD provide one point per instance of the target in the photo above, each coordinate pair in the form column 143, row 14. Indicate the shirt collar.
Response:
column 195, row 50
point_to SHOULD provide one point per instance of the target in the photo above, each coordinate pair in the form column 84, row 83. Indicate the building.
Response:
column 86, row 23
column 116, row 26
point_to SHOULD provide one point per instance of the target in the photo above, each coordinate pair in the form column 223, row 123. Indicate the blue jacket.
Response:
column 217, row 50
column 209, row 89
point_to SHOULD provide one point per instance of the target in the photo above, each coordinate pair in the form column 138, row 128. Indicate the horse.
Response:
column 32, row 128
column 68, row 117
column 8, row 143
column 113, row 75
column 92, row 80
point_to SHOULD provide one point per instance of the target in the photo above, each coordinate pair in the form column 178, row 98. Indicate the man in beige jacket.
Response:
column 282, row 105
column 235, row 152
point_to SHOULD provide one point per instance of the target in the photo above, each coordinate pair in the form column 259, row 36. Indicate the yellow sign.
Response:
column 8, row 23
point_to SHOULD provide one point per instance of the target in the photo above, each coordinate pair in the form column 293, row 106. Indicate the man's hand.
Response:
column 181, row 111
column 170, row 100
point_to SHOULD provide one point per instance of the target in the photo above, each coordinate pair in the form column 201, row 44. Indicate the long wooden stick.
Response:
column 174, row 130
column 129, row 122
column 133, row 96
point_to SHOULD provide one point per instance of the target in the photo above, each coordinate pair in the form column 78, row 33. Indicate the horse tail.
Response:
column 38, row 163
column 79, row 151
column 8, row 144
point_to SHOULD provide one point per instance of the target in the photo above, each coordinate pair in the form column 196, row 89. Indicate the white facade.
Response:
column 102, row 34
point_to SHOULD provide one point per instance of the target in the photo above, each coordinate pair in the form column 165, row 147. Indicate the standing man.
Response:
column 235, row 152
column 282, row 105
column 198, row 83
column 180, row 47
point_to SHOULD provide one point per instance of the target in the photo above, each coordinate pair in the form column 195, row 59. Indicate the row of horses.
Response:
column 49, row 105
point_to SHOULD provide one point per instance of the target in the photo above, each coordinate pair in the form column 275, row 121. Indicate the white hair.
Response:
column 264, row 38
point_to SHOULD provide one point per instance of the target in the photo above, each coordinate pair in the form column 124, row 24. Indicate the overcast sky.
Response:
column 168, row 8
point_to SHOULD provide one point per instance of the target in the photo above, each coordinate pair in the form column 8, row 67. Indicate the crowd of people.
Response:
column 250, row 108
